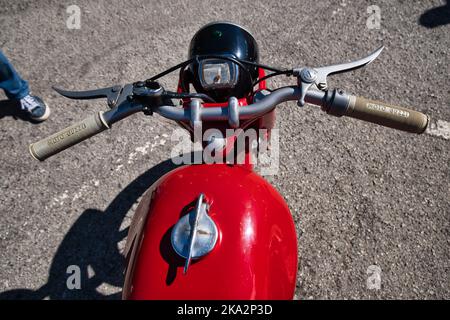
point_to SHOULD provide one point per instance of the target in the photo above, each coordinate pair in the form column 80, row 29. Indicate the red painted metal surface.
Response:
column 256, row 253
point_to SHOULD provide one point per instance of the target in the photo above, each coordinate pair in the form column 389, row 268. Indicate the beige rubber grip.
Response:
column 387, row 115
column 68, row 137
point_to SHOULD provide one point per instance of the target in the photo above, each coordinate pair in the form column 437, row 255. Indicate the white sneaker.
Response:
column 34, row 108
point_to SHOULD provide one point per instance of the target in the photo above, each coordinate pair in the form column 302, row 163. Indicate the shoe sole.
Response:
column 44, row 116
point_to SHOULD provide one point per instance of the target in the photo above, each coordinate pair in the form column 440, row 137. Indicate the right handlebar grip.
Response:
column 387, row 115
column 68, row 137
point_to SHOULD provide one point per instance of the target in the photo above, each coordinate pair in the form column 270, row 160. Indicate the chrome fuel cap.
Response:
column 195, row 234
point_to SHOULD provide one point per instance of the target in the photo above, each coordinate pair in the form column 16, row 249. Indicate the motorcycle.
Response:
column 219, row 230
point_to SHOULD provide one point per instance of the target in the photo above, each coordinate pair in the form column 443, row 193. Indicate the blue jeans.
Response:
column 14, row 86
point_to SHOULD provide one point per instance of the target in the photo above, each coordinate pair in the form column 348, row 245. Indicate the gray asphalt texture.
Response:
column 360, row 194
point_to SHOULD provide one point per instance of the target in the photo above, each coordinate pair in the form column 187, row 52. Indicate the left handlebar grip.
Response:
column 68, row 137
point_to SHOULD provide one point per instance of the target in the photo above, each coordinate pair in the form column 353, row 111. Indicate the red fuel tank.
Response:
column 255, row 256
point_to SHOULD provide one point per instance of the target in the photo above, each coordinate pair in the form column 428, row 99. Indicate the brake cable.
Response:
column 288, row 73
column 172, row 69
column 239, row 62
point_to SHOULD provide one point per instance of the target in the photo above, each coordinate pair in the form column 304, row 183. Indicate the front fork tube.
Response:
column 216, row 143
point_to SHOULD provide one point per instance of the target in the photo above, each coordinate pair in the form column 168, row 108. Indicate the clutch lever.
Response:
column 115, row 95
column 308, row 76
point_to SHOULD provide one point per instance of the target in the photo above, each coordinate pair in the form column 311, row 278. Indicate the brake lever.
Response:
column 308, row 76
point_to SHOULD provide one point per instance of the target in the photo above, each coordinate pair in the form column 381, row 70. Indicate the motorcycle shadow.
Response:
column 92, row 245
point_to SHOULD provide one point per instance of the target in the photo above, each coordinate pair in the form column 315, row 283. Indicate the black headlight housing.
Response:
column 228, row 40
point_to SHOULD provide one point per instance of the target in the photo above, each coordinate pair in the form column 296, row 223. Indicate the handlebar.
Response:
column 334, row 102
column 233, row 112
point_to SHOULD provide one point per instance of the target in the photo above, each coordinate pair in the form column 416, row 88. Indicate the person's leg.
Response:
column 33, row 107
column 14, row 86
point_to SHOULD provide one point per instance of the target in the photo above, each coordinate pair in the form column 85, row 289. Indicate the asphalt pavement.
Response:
column 364, row 198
